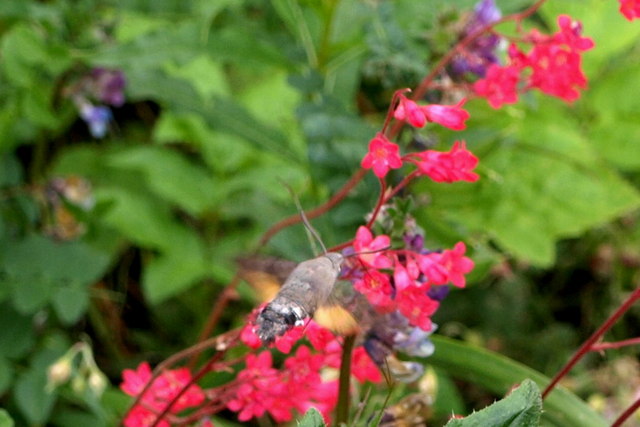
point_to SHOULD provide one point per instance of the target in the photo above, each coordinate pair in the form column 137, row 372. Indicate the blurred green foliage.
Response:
column 226, row 100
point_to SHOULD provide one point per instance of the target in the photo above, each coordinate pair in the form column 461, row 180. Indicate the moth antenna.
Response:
column 305, row 221
column 368, row 252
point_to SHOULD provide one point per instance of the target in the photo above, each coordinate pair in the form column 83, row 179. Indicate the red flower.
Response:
column 376, row 286
column 630, row 9
column 162, row 391
column 411, row 112
column 450, row 266
column 417, row 307
column 450, row 116
column 362, row 367
column 134, row 381
column 382, row 156
column 570, row 34
column 366, row 246
column 452, row 166
column 499, row 86
column 142, row 417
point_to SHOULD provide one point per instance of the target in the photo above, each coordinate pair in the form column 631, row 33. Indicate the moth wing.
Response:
column 266, row 285
column 336, row 319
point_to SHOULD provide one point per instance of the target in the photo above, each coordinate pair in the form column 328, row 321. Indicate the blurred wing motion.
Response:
column 310, row 288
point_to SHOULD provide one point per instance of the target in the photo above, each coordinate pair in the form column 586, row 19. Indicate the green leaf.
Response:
column 5, row 419
column 206, row 76
column 498, row 374
column 6, row 375
column 312, row 418
column 521, row 408
column 17, row 340
column 70, row 301
column 32, row 398
column 170, row 176
column 36, row 266
column 173, row 272
column 541, row 183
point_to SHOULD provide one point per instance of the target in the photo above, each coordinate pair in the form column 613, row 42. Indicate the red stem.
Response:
column 627, row 413
column 613, row 345
column 586, row 346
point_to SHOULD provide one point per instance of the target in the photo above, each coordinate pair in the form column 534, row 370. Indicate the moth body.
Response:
column 307, row 287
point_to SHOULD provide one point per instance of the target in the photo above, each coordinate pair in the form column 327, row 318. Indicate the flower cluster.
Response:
column 300, row 385
column 630, row 9
column 94, row 93
column 159, row 395
column 455, row 165
column 553, row 66
column 480, row 54
column 402, row 279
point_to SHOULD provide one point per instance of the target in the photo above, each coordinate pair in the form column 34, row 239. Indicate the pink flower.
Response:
column 142, row 417
column 319, row 337
column 162, row 391
column 411, row 112
column 450, row 266
column 570, row 34
column 371, row 251
column 450, row 116
column 417, row 307
column 499, row 86
column 382, row 156
column 376, row 286
column 134, row 381
column 630, row 9
column 249, row 337
column 285, row 342
column 452, row 166
column 362, row 367
column 259, row 389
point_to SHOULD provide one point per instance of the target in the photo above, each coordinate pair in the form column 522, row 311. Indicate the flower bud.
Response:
column 59, row 372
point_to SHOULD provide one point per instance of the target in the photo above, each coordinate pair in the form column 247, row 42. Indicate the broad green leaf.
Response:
column 31, row 396
column 70, row 301
column 498, row 374
column 540, row 183
column 312, row 418
column 6, row 374
column 143, row 219
column 17, row 340
column 521, row 408
column 173, row 272
column 5, row 419
column 10, row 170
column 206, row 76
column 36, row 266
column 170, row 176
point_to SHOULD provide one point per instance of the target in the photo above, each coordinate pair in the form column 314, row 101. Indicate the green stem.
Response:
column 342, row 409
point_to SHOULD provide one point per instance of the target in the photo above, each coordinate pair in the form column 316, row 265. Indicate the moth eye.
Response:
column 290, row 318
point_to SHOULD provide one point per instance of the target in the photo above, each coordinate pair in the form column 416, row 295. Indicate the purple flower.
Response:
column 108, row 86
column 480, row 54
column 97, row 117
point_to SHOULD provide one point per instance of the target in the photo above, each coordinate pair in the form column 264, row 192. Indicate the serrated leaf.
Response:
column 498, row 374
column 541, row 184
column 32, row 398
column 521, row 408
column 5, row 419
column 37, row 265
column 170, row 176
column 312, row 418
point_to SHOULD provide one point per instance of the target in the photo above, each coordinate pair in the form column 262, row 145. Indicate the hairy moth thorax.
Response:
column 307, row 287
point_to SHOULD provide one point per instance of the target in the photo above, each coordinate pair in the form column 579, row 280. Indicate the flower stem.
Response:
column 344, row 397
column 587, row 345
